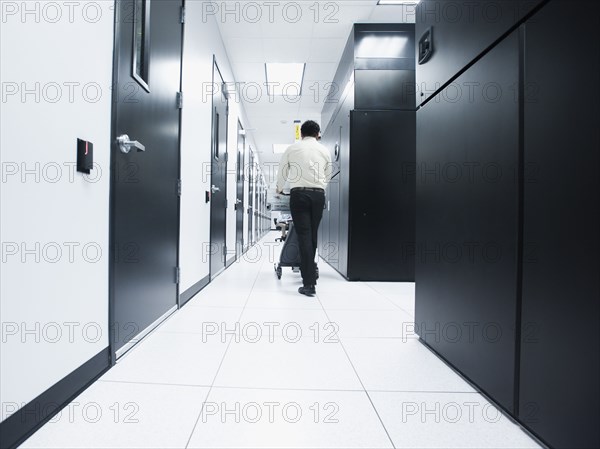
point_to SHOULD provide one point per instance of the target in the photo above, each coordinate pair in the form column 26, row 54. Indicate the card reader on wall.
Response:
column 85, row 156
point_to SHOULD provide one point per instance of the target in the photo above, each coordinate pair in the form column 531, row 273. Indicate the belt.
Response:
column 305, row 189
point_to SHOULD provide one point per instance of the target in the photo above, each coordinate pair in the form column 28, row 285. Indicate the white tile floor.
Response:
column 249, row 363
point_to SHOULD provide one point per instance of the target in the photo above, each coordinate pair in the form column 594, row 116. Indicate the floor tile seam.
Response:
column 218, row 369
column 366, row 392
column 389, row 300
column 166, row 384
column 288, row 389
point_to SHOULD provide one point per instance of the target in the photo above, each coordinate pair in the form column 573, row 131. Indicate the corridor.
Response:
column 249, row 363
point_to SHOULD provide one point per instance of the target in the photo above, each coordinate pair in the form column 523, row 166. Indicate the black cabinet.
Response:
column 368, row 228
column 331, row 238
column 559, row 376
column 460, row 32
column 382, row 192
column 467, row 223
column 508, row 218
column 324, row 246
column 333, row 199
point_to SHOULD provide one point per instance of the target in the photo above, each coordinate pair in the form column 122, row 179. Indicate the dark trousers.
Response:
column 307, row 211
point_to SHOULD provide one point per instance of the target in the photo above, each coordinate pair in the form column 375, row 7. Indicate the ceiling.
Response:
column 308, row 32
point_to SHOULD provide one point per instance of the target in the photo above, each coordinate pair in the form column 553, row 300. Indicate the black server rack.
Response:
column 467, row 224
column 559, row 372
column 367, row 231
column 508, row 218
column 452, row 35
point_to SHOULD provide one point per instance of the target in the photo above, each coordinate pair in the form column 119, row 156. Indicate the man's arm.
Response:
column 283, row 172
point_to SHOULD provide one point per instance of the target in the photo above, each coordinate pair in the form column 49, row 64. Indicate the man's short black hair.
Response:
column 310, row 129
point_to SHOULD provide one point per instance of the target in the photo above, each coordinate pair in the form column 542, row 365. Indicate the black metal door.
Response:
column 145, row 170
column 218, row 208
column 467, row 224
column 239, row 201
column 257, row 207
column 250, row 171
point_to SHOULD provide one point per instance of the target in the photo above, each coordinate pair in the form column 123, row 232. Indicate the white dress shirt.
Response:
column 305, row 164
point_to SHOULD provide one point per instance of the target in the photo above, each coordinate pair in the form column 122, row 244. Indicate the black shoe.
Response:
column 308, row 291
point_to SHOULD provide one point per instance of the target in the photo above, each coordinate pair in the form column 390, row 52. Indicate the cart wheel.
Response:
column 279, row 272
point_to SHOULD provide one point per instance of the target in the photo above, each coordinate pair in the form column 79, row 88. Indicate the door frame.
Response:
column 119, row 29
column 241, row 161
column 212, row 124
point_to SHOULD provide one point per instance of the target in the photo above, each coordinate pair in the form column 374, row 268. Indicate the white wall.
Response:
column 63, row 53
column 202, row 41
column 52, row 207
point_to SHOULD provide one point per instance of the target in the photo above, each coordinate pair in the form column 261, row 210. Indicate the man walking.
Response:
column 307, row 166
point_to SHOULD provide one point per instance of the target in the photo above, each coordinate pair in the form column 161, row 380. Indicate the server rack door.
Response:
column 334, row 223
column 320, row 247
column 559, row 388
column 460, row 31
column 343, row 164
column 334, row 196
column 381, row 203
column 323, row 248
column 467, row 223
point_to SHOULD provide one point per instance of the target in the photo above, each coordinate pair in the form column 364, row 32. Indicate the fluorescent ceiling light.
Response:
column 382, row 47
column 279, row 148
column 285, row 79
column 398, row 2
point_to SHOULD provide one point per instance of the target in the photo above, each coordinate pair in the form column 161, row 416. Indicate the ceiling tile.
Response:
column 245, row 50
column 288, row 19
column 393, row 14
column 287, row 50
column 326, row 50
column 233, row 28
column 320, row 71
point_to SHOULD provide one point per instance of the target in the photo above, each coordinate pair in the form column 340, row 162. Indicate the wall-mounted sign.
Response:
column 297, row 130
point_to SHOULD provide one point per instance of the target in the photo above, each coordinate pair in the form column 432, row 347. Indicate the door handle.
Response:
column 238, row 201
column 215, row 189
column 126, row 145
column 426, row 46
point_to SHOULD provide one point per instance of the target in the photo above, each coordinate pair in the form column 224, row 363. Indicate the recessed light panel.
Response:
column 398, row 2
column 284, row 78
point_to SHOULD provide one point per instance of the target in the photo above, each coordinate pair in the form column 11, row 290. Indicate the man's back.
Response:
column 306, row 164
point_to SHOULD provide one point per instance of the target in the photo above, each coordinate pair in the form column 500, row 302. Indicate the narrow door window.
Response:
column 141, row 43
